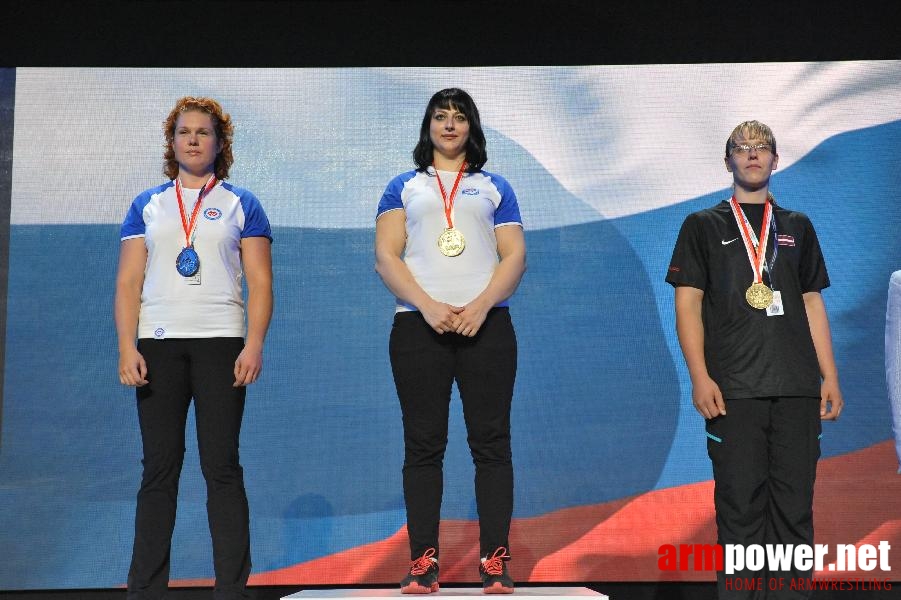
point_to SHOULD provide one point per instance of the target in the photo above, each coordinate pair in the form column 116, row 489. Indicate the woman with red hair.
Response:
column 186, row 245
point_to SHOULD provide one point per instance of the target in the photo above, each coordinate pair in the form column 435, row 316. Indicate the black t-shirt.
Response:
column 748, row 353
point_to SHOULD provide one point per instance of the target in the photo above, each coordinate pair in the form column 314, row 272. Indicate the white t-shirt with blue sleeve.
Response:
column 172, row 306
column 484, row 202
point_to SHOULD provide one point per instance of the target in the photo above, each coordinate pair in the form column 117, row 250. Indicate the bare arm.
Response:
column 390, row 240
column 511, row 247
column 831, row 401
column 705, row 393
column 127, row 309
column 256, row 258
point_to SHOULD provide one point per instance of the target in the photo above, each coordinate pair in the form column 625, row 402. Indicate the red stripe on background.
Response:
column 856, row 502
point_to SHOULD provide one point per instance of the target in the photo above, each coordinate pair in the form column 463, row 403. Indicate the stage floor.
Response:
column 556, row 593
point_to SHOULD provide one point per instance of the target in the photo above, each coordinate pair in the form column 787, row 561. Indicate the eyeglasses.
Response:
column 742, row 149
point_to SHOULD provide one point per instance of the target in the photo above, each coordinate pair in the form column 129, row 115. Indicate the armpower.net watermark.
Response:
column 777, row 558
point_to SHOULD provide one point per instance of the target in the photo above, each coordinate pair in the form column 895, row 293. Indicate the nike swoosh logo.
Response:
column 725, row 243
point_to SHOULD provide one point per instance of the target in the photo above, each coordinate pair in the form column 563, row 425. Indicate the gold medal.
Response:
column 451, row 242
column 759, row 295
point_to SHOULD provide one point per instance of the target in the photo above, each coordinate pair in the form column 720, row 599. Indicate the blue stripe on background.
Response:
column 322, row 442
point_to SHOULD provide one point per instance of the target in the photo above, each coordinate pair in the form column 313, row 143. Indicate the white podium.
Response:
column 548, row 593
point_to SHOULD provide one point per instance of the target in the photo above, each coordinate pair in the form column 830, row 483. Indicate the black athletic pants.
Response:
column 425, row 365
column 764, row 453
column 178, row 370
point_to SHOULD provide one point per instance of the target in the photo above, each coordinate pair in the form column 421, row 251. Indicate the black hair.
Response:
column 455, row 98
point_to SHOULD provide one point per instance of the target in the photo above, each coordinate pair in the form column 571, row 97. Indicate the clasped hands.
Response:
column 465, row 320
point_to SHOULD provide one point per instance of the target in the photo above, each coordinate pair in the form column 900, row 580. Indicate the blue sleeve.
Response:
column 391, row 199
column 134, row 225
column 256, row 223
column 508, row 209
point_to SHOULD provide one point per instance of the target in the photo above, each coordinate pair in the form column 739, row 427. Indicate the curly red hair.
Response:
column 222, row 123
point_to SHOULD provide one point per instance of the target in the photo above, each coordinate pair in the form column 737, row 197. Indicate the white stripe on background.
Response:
column 318, row 145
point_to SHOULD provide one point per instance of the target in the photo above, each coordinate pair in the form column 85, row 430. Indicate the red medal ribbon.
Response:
column 185, row 224
column 449, row 202
column 755, row 255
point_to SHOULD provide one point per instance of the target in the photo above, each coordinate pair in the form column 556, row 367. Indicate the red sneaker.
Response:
column 423, row 575
column 493, row 571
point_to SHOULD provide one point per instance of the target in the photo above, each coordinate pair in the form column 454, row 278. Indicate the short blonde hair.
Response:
column 749, row 130
column 222, row 123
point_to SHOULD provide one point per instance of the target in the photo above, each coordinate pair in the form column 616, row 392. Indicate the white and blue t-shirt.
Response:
column 484, row 202
column 171, row 306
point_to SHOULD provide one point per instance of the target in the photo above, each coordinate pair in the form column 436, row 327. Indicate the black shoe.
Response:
column 493, row 571
column 423, row 575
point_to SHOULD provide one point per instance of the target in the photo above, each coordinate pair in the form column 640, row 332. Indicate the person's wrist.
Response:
column 482, row 303
column 697, row 375
column 253, row 345
column 426, row 304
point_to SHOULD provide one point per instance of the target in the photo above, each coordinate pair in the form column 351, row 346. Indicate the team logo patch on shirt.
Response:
column 470, row 191
column 212, row 213
column 785, row 240
column 159, row 333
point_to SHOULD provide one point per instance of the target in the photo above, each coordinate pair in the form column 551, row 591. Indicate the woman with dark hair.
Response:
column 450, row 246
column 185, row 247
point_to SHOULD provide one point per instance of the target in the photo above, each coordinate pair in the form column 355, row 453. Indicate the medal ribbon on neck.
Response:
column 756, row 251
column 449, row 202
column 189, row 226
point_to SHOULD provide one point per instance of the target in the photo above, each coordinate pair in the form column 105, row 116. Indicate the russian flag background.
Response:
column 609, row 454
